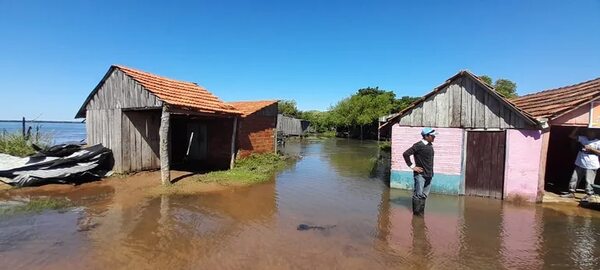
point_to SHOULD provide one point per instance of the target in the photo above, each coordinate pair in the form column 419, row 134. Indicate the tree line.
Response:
column 357, row 116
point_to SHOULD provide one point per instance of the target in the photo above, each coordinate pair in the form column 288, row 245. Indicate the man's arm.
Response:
column 590, row 149
column 409, row 152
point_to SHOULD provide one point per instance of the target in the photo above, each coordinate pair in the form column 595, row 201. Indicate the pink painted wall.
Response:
column 447, row 146
column 579, row 117
column 522, row 164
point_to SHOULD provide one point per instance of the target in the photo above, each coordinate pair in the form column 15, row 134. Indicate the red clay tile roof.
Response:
column 250, row 107
column 179, row 93
column 556, row 102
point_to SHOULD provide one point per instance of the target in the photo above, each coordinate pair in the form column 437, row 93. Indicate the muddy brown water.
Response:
column 256, row 227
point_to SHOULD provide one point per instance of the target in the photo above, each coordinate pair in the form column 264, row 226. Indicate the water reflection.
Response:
column 120, row 226
column 468, row 232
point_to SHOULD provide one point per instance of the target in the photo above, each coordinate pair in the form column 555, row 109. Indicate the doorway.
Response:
column 189, row 144
column 484, row 175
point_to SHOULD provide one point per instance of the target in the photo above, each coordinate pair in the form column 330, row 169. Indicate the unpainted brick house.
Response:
column 257, row 127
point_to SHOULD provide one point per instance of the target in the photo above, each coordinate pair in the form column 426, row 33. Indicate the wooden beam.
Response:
column 165, row 174
column 176, row 110
column 141, row 109
column 543, row 161
column 233, row 137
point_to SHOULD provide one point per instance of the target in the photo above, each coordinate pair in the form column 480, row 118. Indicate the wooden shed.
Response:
column 562, row 110
column 132, row 111
column 290, row 126
column 257, row 127
column 486, row 146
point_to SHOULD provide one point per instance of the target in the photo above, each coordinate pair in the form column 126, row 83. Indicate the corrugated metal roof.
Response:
column 556, row 102
column 250, row 107
column 179, row 93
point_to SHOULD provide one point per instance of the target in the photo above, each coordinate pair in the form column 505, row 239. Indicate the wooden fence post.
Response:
column 165, row 174
column 233, row 137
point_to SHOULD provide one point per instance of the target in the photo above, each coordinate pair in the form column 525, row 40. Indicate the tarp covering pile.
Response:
column 59, row 164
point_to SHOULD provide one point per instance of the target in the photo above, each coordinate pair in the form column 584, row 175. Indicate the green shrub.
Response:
column 328, row 134
column 15, row 144
column 385, row 146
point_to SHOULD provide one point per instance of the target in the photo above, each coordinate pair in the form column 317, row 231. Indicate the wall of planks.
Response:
column 464, row 103
column 124, row 117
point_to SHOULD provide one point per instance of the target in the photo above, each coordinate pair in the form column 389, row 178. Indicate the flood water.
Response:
column 256, row 227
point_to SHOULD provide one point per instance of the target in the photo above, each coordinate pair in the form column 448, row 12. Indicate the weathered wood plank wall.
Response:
column 141, row 140
column 121, row 92
column 464, row 104
column 290, row 126
column 132, row 136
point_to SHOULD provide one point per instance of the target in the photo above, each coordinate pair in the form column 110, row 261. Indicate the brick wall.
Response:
column 256, row 133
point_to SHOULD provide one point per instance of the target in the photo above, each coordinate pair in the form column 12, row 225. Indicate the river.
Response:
column 55, row 132
column 371, row 226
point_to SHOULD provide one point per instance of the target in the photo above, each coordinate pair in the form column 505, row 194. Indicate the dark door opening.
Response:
column 189, row 144
column 560, row 161
column 484, row 174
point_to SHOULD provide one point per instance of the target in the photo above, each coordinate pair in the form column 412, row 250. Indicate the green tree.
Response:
column 402, row 103
column 360, row 110
column 506, row 88
column 363, row 108
column 320, row 121
column 486, row 79
column 288, row 108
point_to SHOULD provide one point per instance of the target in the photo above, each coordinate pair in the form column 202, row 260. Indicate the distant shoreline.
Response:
column 41, row 121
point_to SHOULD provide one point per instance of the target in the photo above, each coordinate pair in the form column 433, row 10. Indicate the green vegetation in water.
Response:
column 328, row 134
column 36, row 206
column 15, row 144
column 385, row 146
column 256, row 168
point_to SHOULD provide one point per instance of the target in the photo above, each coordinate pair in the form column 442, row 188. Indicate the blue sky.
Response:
column 53, row 53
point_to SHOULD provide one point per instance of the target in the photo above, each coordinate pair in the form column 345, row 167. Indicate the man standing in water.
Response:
column 422, row 151
column 586, row 163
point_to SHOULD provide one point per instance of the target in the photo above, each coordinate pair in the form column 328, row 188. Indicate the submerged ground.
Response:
column 121, row 225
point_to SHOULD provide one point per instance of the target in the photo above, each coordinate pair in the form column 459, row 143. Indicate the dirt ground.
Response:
column 138, row 184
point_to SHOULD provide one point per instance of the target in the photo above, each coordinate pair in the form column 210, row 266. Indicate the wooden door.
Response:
column 484, row 174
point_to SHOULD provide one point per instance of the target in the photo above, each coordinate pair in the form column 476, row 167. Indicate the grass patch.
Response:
column 15, row 144
column 36, row 206
column 255, row 168
column 328, row 134
column 385, row 146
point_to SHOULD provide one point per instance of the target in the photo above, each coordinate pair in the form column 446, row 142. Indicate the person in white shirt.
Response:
column 586, row 163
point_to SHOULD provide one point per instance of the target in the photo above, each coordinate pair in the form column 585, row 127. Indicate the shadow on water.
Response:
column 368, row 225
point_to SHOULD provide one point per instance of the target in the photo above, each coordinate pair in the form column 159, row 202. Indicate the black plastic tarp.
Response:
column 59, row 164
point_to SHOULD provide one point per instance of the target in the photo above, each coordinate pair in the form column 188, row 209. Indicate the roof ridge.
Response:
column 253, row 101
column 122, row 67
column 177, row 92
